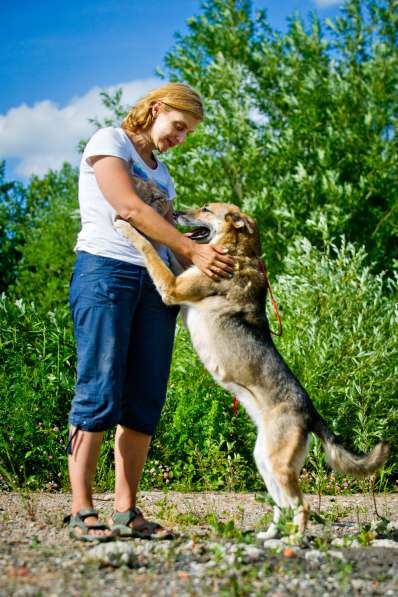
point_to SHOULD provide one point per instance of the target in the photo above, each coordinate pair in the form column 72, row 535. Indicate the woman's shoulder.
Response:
column 110, row 132
column 107, row 140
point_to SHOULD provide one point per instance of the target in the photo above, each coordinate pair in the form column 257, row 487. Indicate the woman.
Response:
column 124, row 333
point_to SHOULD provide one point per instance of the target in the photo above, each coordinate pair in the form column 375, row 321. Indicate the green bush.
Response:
column 339, row 325
column 36, row 384
column 297, row 124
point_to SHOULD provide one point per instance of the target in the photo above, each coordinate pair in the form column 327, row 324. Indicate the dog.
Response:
column 229, row 330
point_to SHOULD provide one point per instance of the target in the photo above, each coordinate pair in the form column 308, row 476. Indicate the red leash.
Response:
column 264, row 273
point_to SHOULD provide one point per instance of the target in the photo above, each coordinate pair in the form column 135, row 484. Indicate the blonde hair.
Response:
column 173, row 96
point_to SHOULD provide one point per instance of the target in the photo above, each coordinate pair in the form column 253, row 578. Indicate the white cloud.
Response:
column 45, row 135
column 326, row 3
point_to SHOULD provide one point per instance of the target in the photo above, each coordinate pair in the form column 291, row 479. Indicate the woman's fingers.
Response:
column 223, row 261
column 213, row 261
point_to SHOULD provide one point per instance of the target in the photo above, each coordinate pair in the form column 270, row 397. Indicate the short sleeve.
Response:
column 107, row 141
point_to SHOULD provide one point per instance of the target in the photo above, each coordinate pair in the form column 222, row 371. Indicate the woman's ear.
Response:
column 155, row 109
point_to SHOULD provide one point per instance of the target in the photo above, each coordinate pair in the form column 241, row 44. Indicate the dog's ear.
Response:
column 241, row 221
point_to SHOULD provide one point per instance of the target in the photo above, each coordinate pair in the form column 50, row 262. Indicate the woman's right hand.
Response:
column 213, row 260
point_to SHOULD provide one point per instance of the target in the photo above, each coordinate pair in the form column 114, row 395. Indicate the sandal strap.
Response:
column 86, row 512
column 100, row 526
column 80, row 515
column 124, row 518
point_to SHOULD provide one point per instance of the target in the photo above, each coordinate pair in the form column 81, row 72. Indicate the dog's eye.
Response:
column 205, row 209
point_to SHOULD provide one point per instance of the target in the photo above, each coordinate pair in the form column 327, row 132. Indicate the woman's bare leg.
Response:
column 131, row 451
column 82, row 464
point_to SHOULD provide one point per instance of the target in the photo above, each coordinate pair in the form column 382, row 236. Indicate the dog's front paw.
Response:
column 126, row 230
column 123, row 227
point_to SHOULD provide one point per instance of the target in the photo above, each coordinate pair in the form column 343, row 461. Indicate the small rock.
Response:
column 252, row 553
column 336, row 554
column 341, row 542
column 16, row 571
column 274, row 544
column 113, row 554
column 264, row 536
column 389, row 543
column 314, row 555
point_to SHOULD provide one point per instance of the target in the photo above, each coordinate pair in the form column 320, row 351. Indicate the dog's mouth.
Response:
column 200, row 232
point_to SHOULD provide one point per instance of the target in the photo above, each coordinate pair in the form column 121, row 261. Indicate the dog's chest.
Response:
column 204, row 342
column 203, row 333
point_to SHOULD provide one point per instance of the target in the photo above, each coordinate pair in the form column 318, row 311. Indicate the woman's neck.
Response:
column 144, row 146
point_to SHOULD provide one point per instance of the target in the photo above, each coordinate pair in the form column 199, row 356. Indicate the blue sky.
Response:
column 55, row 57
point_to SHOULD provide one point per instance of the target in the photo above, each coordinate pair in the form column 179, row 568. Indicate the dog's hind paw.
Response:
column 271, row 533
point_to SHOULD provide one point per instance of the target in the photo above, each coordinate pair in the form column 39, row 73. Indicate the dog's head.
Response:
column 221, row 223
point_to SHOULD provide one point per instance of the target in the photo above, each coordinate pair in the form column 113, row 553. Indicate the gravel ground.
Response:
column 218, row 551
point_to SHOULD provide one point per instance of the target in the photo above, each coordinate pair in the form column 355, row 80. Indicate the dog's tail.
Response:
column 344, row 461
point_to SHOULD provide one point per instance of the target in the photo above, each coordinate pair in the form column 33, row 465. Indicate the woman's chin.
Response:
column 163, row 146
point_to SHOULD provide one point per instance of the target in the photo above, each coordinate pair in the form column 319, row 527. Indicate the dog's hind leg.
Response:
column 264, row 467
column 279, row 461
column 286, row 459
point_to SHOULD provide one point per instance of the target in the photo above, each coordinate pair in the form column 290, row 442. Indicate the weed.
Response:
column 366, row 535
column 344, row 575
column 166, row 510
column 335, row 513
column 322, row 543
column 226, row 530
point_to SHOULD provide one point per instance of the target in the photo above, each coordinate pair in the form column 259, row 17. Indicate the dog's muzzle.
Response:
column 202, row 232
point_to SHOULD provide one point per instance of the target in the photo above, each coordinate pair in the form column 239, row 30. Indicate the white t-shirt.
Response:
column 154, row 186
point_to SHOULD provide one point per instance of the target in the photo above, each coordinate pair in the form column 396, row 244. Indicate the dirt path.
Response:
column 217, row 551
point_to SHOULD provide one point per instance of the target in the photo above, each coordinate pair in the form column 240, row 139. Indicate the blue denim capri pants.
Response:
column 124, row 338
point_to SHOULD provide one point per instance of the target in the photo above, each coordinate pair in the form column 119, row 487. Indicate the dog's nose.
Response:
column 177, row 213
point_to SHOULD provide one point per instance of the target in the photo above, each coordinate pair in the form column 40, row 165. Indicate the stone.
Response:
column 114, row 554
column 341, row 542
column 274, row 544
column 314, row 555
column 333, row 553
column 389, row 543
column 252, row 553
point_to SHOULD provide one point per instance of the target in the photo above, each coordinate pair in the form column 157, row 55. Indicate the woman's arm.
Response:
column 115, row 183
column 183, row 261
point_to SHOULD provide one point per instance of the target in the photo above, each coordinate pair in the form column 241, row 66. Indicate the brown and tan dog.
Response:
column 230, row 332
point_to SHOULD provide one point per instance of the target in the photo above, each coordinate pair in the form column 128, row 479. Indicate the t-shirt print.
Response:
column 150, row 190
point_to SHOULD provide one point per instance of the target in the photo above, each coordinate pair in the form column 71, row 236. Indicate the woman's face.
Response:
column 170, row 128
